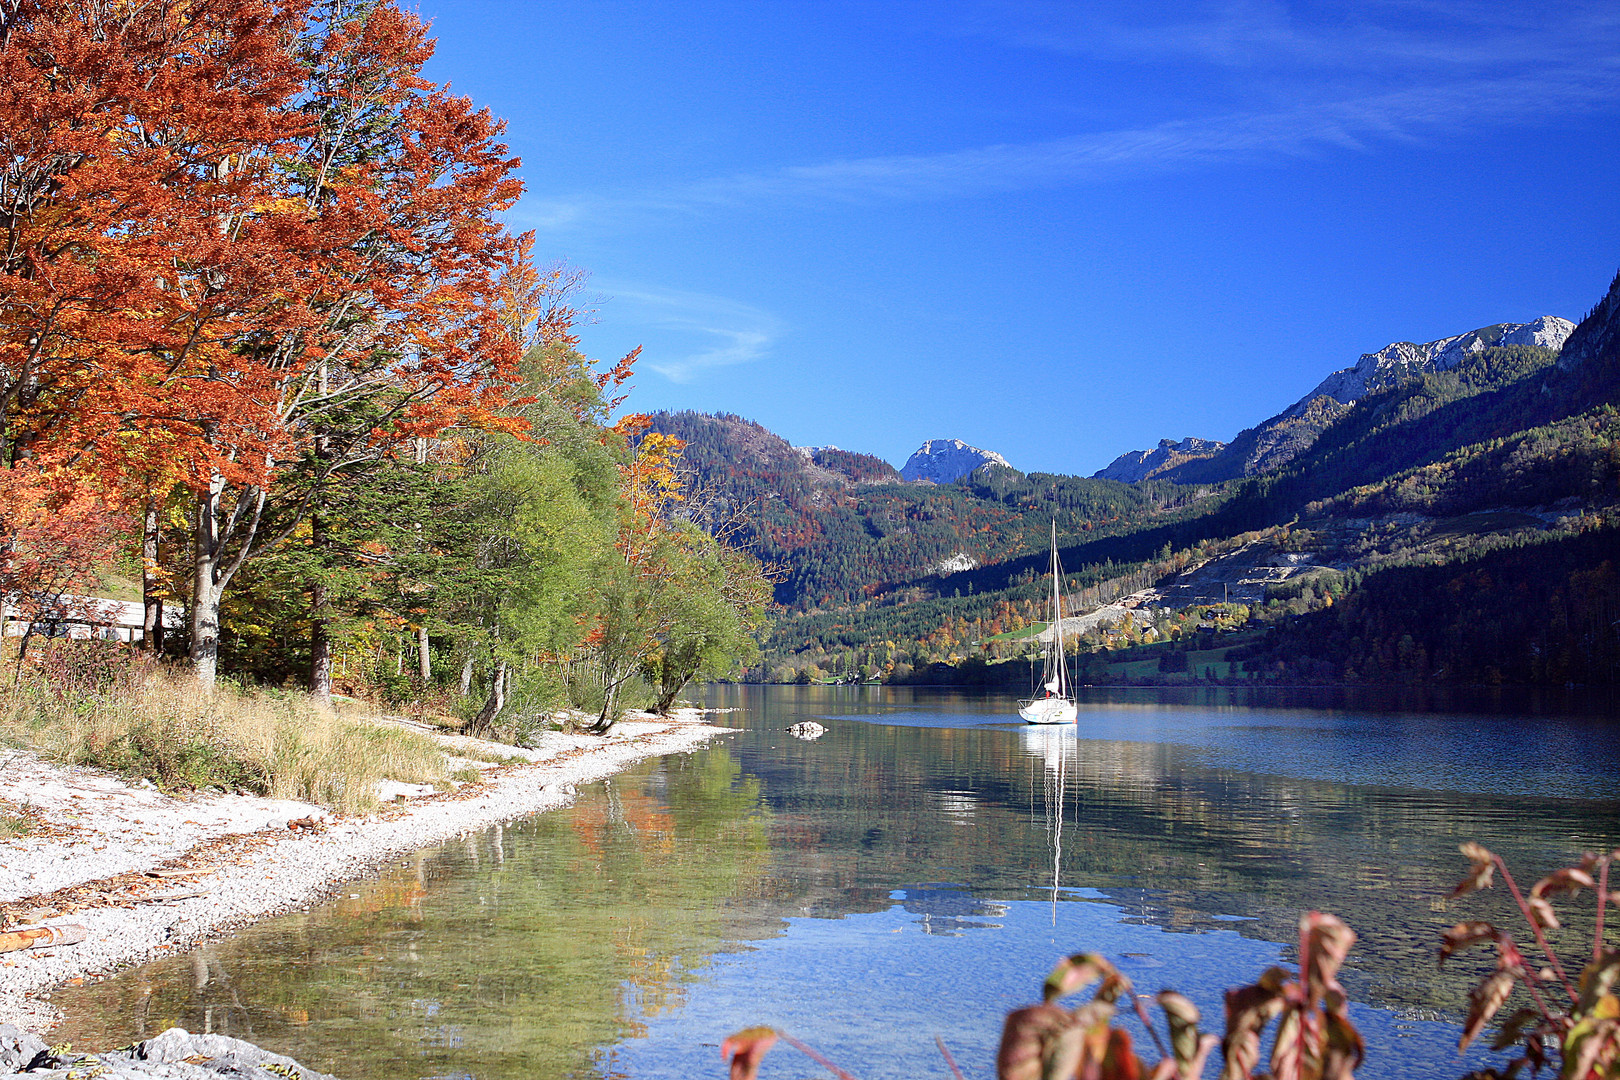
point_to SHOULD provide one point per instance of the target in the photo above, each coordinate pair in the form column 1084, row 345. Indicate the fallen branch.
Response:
column 41, row 937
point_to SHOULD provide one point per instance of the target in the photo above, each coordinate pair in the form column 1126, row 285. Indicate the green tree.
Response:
column 719, row 601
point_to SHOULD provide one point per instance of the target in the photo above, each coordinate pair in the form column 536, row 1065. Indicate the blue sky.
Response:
column 1059, row 230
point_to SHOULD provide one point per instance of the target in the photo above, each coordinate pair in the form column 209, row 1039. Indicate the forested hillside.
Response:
column 842, row 527
column 1451, row 525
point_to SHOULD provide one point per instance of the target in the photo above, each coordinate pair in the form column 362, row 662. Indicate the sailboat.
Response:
column 1056, row 704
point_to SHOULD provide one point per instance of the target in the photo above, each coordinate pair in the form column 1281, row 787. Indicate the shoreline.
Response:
column 150, row 875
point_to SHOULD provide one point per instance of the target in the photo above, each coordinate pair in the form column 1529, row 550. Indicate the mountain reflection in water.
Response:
column 914, row 871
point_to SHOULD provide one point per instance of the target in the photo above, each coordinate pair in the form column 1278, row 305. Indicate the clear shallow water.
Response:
column 894, row 880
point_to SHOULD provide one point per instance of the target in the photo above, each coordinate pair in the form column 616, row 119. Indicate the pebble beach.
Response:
column 147, row 874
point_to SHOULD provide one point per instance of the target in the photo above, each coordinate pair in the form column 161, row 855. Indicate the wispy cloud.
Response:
column 695, row 332
column 1370, row 35
column 1389, row 71
column 1306, row 130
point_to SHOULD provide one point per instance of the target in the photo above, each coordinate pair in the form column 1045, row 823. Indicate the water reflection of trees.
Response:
column 512, row 952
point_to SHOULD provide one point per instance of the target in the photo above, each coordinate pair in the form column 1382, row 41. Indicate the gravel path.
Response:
column 119, row 859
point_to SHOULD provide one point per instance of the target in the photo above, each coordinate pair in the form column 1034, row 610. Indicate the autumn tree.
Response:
column 675, row 600
column 250, row 237
column 403, row 263
column 56, row 535
column 132, row 135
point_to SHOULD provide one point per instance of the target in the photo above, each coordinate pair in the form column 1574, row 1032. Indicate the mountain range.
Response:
column 1276, row 441
column 1446, row 511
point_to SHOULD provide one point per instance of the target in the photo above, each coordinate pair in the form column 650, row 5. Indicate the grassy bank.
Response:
column 159, row 726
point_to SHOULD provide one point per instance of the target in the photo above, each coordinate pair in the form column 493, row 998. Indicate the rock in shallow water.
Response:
column 174, row 1054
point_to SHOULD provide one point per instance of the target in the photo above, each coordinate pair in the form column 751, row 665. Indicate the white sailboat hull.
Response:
column 1052, row 710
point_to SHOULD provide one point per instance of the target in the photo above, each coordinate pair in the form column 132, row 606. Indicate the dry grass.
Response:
column 165, row 728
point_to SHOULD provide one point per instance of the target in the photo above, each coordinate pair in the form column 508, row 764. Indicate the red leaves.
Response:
column 231, row 218
column 1248, row 1010
column 1483, row 1002
column 1315, row 1037
column 1479, row 875
column 746, row 1049
column 1588, row 1034
column 1074, row 974
column 1569, row 880
column 1464, row 934
column 56, row 535
column 1036, row 1043
column 1324, row 943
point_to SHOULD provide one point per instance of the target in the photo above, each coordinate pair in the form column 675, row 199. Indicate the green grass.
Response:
column 169, row 731
column 1480, row 524
column 1199, row 662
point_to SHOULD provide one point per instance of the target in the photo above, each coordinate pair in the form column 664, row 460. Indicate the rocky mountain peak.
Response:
column 945, row 461
column 1137, row 465
column 1381, row 369
column 1274, row 442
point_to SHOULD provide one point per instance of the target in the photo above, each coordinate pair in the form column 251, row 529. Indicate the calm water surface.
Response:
column 914, row 872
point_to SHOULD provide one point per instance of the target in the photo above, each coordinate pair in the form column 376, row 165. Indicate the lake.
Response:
column 913, row 873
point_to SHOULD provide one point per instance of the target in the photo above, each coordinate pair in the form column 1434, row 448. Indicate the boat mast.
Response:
column 1057, row 618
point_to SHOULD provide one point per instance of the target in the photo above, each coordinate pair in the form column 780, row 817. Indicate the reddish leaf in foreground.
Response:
column 1025, row 1039
column 1479, row 874
column 1075, row 973
column 746, row 1049
column 1463, row 935
column 1483, row 1003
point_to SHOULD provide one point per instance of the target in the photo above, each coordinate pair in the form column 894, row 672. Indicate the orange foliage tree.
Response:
column 56, row 536
column 250, row 236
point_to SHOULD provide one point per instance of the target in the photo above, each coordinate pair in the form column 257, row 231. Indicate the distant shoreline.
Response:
column 250, row 872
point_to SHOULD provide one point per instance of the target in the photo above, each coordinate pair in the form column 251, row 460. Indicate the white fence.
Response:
column 85, row 617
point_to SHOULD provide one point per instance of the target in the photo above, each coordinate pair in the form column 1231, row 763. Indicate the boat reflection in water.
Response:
column 1055, row 748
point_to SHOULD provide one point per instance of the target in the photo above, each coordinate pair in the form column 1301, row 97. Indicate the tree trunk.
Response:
column 151, row 591
column 483, row 725
column 611, row 681
column 320, row 648
column 466, row 676
column 320, row 627
column 424, row 661
column 205, row 588
column 674, row 679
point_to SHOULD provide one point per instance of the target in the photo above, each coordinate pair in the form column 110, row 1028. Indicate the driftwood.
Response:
column 41, row 937
column 165, row 897
column 178, row 873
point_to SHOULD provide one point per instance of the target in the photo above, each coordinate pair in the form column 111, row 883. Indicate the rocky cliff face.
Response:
column 1146, row 464
column 1384, row 368
column 1274, row 442
column 945, row 461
